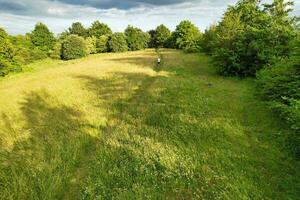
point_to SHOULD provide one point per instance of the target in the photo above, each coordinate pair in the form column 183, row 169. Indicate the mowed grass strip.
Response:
column 116, row 126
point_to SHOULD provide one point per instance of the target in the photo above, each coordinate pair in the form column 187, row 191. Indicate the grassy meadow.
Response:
column 117, row 126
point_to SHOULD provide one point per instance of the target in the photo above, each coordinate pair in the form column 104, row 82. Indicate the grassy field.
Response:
column 116, row 126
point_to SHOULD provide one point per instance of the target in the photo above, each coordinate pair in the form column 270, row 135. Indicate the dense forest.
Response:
column 251, row 40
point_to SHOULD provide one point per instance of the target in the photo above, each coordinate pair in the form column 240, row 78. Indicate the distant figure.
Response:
column 158, row 60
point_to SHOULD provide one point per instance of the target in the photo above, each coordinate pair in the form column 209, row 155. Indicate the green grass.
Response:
column 116, row 126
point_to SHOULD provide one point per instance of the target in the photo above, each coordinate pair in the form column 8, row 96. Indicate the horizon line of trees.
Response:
column 78, row 41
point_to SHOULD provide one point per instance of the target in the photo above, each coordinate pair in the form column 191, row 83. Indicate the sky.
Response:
column 20, row 16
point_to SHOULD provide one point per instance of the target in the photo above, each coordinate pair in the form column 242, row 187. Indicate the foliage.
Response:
column 7, row 53
column 25, row 51
column 161, row 36
column 102, row 44
column 56, row 51
column 73, row 47
column 42, row 38
column 91, row 43
column 98, row 29
column 78, row 29
column 136, row 38
column 249, row 38
column 280, row 86
column 151, row 43
column 117, row 43
column 209, row 40
column 187, row 36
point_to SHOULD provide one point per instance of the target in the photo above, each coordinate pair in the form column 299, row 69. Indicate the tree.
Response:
column 56, row 51
column 151, row 43
column 90, row 43
column 98, row 29
column 102, row 44
column 250, row 38
column 161, row 36
column 187, row 36
column 78, row 29
column 7, row 60
column 73, row 47
column 117, row 43
column 42, row 37
column 136, row 39
column 208, row 42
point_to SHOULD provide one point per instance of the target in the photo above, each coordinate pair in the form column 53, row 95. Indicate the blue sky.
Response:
column 20, row 16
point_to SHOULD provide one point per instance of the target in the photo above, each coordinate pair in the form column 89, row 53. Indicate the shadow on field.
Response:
column 138, row 61
column 39, row 167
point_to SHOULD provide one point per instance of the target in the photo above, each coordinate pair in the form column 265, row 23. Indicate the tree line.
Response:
column 78, row 41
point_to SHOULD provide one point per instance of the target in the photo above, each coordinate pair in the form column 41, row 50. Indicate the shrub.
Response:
column 90, row 43
column 42, row 38
column 73, row 47
column 102, row 44
column 280, row 86
column 117, row 43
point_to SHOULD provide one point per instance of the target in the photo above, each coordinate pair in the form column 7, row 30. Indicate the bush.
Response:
column 90, row 43
column 280, row 86
column 117, row 43
column 73, row 47
column 102, row 44
column 25, row 51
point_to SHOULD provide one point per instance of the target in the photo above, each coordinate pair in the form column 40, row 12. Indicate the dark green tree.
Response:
column 136, row 38
column 42, row 38
column 98, row 29
column 102, row 44
column 161, row 36
column 78, row 29
column 250, row 38
column 187, row 36
column 117, row 43
column 73, row 47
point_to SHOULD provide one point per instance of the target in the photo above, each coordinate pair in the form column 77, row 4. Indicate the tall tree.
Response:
column 162, row 35
column 42, row 37
column 78, row 29
column 187, row 36
column 136, row 39
column 117, row 43
column 98, row 29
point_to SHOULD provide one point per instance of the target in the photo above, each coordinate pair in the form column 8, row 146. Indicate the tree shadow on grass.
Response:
column 40, row 166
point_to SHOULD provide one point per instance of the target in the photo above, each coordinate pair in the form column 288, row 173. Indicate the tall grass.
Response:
column 116, row 126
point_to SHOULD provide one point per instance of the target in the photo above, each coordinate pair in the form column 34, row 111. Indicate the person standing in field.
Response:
column 158, row 60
